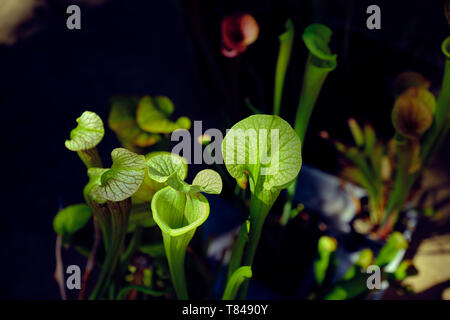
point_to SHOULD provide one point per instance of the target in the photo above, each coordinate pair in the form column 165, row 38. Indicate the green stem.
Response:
column 175, row 247
column 119, row 213
column 405, row 154
column 259, row 208
column 235, row 281
column 284, row 56
column 132, row 247
column 437, row 132
column 287, row 209
column 91, row 158
column 238, row 250
column 313, row 79
column 312, row 84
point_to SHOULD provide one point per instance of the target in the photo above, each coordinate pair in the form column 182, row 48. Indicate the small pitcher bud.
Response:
column 413, row 112
column 238, row 32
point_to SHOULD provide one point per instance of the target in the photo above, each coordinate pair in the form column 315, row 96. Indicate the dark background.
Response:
column 49, row 77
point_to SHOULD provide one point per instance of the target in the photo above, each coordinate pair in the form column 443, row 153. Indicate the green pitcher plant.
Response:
column 267, row 150
column 319, row 64
column 179, row 209
column 108, row 192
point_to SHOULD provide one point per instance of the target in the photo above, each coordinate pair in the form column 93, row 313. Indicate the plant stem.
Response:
column 132, row 247
column 176, row 249
column 91, row 260
column 119, row 213
column 235, row 281
column 284, row 56
column 59, row 272
column 258, row 213
column 91, row 158
column 313, row 80
column 405, row 155
column 238, row 250
column 312, row 84
column 437, row 132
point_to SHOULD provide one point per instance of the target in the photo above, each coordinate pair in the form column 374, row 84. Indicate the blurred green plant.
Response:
column 353, row 284
column 389, row 171
column 140, row 122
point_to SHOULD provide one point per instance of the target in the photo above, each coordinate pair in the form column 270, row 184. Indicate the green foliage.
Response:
column 404, row 270
column 88, row 133
column 179, row 209
column 284, row 55
column 150, row 186
column 85, row 138
column 138, row 123
column 108, row 194
column 140, row 216
column 153, row 116
column 317, row 37
column 153, row 250
column 238, row 249
column 119, row 182
column 395, row 243
column 246, row 150
column 319, row 63
column 71, row 219
column 235, row 281
column 354, row 283
column 326, row 247
column 122, row 120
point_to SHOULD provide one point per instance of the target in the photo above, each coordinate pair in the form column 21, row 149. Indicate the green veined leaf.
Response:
column 153, row 116
column 208, row 181
column 122, row 180
column 150, row 186
column 168, row 168
column 264, row 147
column 71, row 219
column 88, row 133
